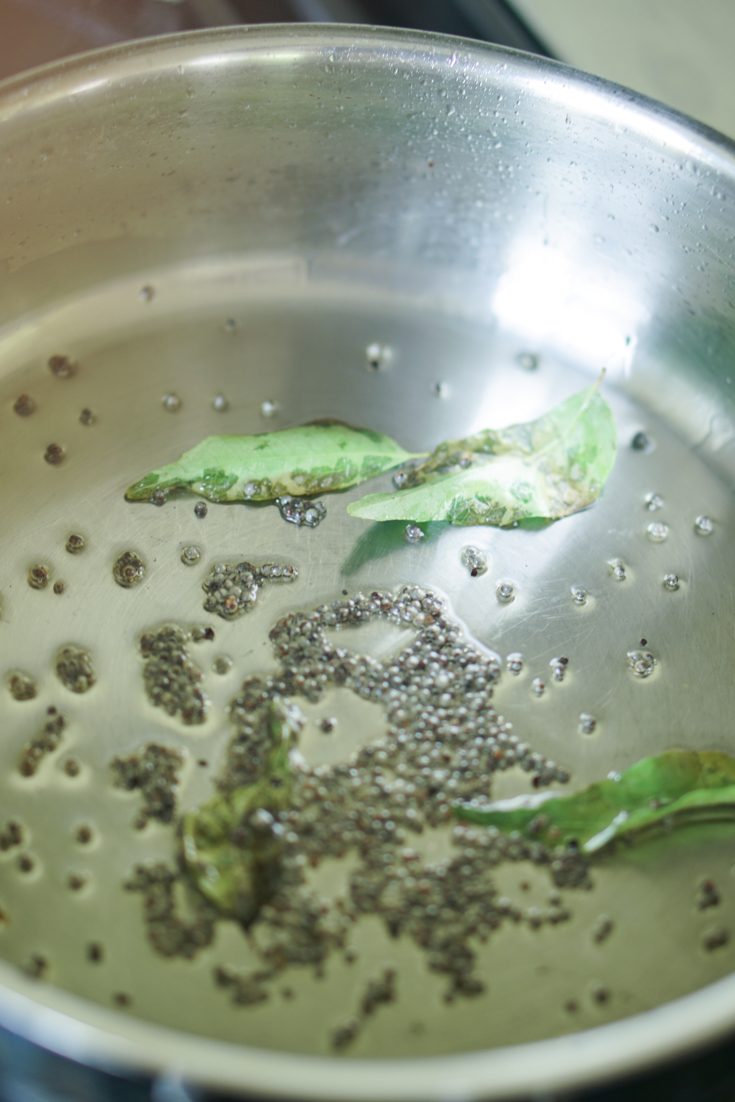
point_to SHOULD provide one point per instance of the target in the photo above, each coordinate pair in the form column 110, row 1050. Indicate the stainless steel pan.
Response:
column 246, row 212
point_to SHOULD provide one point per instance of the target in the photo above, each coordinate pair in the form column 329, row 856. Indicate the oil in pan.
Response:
column 130, row 684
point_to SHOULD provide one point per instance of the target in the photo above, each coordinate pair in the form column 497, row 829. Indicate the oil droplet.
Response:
column 587, row 724
column 413, row 534
column 62, row 367
column 268, row 409
column 190, row 556
column 222, row 664
column 128, row 569
column 641, row 662
column 87, row 417
column 475, row 561
column 640, row 442
column 657, row 533
column 220, row 404
column 440, row 390
column 200, row 509
column 506, row 592
column 514, row 663
column 230, row 325
column 147, row 293
column 54, row 454
column 538, row 687
column 671, row 582
column 327, row 725
column 579, row 595
column 75, row 544
column 617, row 569
column 24, row 405
column 654, row 502
column 559, row 668
column 59, row 587
column 704, row 526
column 377, row 356
column 95, row 952
column 171, row 402
column 528, row 361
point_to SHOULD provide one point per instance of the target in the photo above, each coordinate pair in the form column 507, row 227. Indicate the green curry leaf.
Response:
column 306, row 460
column 548, row 468
column 232, row 844
column 668, row 790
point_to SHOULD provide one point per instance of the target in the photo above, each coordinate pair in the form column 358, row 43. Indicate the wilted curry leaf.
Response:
column 547, row 468
column 670, row 789
column 305, row 460
column 232, row 844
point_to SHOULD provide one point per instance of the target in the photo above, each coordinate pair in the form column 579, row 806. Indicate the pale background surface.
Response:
column 679, row 51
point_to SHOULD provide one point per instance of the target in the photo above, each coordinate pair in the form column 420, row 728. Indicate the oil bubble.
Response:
column 475, row 561
column 559, row 668
column 301, row 510
column 529, row 361
column 268, row 409
column 671, row 582
column 63, row 367
column 147, row 293
column 617, row 569
column 657, row 532
column 74, row 669
column 506, row 592
column 704, row 526
column 200, row 509
column 128, row 570
column 514, row 663
column 54, row 454
column 24, row 405
column 641, row 662
column 440, row 390
column 38, row 576
column 579, row 595
column 22, row 686
column 75, row 544
column 171, row 402
column 377, row 356
column 59, row 588
column 220, row 404
column 413, row 534
column 191, row 555
column 230, row 325
column 538, row 687
column 587, row 724
column 641, row 442
column 87, row 417
column 222, row 664
column 654, row 502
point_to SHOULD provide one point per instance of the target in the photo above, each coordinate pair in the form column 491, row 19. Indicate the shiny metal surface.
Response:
column 475, row 211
